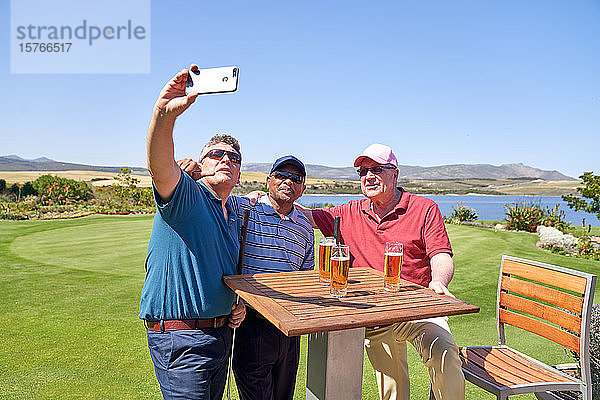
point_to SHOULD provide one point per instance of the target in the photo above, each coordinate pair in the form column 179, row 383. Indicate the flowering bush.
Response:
column 557, row 248
column 55, row 193
column 586, row 248
column 54, row 190
column 549, row 234
column 462, row 213
column 7, row 211
column 555, row 218
column 553, row 240
column 523, row 217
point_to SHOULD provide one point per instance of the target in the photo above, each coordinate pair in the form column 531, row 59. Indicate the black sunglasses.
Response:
column 219, row 154
column 375, row 170
column 281, row 175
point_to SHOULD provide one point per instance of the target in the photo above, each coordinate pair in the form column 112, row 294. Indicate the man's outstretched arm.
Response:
column 171, row 102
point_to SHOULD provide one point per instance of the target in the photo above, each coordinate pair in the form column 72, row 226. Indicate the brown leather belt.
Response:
column 181, row 324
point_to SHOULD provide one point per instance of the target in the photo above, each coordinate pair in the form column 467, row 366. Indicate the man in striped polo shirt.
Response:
column 280, row 238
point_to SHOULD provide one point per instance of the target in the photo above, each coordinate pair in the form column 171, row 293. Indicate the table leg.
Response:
column 335, row 365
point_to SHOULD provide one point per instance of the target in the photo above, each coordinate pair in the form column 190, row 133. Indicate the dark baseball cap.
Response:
column 288, row 160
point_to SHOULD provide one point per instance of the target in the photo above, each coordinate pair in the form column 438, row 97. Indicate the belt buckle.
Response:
column 215, row 323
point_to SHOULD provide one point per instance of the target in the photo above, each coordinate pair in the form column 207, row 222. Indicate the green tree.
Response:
column 125, row 178
column 27, row 189
column 591, row 191
column 126, row 188
column 2, row 185
column 126, row 192
column 16, row 190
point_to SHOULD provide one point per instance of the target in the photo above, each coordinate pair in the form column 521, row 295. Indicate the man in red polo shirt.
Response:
column 390, row 214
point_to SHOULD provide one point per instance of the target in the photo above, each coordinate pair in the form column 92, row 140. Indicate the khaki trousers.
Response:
column 386, row 348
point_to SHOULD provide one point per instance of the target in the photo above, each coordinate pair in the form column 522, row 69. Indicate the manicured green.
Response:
column 69, row 298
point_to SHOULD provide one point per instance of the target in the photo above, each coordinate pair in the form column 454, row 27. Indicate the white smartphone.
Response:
column 213, row 80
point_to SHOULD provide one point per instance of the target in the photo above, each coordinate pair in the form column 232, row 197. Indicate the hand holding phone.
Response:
column 212, row 80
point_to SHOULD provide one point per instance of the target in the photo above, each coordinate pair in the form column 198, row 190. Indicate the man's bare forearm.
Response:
column 442, row 271
column 160, row 154
column 442, row 268
column 171, row 102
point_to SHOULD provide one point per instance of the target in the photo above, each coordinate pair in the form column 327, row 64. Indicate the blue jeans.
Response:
column 191, row 364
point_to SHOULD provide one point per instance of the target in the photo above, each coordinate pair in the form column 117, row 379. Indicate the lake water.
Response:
column 490, row 208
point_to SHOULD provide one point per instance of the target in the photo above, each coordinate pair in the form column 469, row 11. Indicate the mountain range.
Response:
column 16, row 163
column 454, row 171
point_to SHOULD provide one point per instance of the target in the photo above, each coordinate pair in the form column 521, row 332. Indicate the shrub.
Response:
column 71, row 189
column 462, row 213
column 523, row 217
column 320, row 205
column 527, row 217
column 12, row 216
column 557, row 248
column 2, row 185
column 586, row 248
column 124, row 196
column 555, row 218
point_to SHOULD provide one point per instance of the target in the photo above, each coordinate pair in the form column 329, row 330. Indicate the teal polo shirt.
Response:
column 191, row 247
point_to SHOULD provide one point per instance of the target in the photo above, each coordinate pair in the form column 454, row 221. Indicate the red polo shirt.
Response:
column 416, row 222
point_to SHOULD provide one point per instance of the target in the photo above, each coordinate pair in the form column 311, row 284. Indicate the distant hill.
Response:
column 455, row 171
column 16, row 163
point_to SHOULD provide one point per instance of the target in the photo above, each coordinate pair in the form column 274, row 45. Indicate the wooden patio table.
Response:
column 297, row 304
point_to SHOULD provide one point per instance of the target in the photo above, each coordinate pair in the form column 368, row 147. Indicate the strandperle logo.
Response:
column 80, row 37
column 84, row 31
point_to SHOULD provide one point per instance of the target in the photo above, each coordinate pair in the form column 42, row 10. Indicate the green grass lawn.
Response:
column 70, row 296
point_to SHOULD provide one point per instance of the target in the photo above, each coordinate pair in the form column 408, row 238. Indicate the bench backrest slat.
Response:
column 544, row 275
column 538, row 327
column 556, row 316
column 544, row 293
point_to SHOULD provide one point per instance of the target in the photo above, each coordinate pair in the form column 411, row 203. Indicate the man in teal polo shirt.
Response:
column 280, row 239
column 187, row 309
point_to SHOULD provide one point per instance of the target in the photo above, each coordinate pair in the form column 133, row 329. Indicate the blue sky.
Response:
column 442, row 82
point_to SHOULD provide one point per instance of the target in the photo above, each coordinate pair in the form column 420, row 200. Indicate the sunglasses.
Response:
column 375, row 170
column 219, row 154
column 282, row 175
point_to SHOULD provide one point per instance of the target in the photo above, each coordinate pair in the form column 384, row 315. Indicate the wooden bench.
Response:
column 550, row 301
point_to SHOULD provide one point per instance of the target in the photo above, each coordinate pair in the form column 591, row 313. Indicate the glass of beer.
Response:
column 340, row 264
column 325, row 245
column 392, row 266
